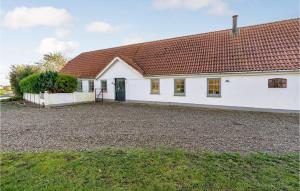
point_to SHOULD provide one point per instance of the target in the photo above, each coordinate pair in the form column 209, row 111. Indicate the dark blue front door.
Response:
column 120, row 89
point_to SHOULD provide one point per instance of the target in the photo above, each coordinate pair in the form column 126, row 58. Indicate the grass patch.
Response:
column 148, row 169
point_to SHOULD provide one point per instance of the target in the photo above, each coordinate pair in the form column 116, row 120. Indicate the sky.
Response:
column 31, row 28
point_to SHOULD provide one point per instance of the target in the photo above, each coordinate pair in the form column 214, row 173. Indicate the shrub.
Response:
column 65, row 84
column 30, row 84
column 48, row 81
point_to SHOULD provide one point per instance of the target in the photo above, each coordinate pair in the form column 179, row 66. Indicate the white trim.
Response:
column 112, row 63
column 279, row 72
column 85, row 78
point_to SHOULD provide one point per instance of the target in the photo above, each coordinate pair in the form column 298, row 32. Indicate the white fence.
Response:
column 47, row 99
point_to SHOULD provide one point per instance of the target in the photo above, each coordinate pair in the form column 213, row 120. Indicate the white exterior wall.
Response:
column 242, row 90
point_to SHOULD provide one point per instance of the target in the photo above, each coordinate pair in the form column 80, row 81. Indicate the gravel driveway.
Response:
column 90, row 126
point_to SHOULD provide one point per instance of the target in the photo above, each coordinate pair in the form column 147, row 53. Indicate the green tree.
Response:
column 17, row 73
column 52, row 62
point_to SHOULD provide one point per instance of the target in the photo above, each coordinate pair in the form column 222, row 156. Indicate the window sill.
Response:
column 215, row 96
column 152, row 93
column 179, row 94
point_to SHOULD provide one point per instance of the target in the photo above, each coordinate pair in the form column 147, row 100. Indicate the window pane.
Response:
column 79, row 86
column 104, row 85
column 91, row 85
column 277, row 83
column 154, row 86
column 213, row 87
column 179, row 86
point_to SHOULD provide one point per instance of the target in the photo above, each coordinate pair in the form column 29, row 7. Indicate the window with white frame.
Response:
column 154, row 86
column 79, row 86
column 179, row 87
column 213, row 87
column 91, row 85
column 104, row 85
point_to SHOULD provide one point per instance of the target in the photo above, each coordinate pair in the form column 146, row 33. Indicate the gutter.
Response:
column 272, row 72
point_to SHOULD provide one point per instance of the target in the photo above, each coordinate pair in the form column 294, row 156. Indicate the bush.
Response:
column 65, row 84
column 17, row 73
column 30, row 84
column 48, row 81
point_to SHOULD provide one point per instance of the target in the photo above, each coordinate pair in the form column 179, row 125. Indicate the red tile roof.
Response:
column 265, row 47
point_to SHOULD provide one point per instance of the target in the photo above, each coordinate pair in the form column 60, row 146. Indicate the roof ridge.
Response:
column 188, row 36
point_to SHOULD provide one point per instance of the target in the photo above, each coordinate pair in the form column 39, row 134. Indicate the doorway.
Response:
column 120, row 89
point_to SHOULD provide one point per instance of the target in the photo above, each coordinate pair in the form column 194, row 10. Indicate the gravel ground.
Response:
column 90, row 126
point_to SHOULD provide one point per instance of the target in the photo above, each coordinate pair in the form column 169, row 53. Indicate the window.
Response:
column 79, row 86
column 91, row 85
column 277, row 83
column 104, row 85
column 179, row 87
column 154, row 86
column 213, row 87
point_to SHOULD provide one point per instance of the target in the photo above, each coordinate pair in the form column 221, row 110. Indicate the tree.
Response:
column 17, row 73
column 52, row 62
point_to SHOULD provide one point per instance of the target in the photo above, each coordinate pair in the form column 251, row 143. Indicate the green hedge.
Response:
column 65, row 84
column 29, row 84
column 52, row 82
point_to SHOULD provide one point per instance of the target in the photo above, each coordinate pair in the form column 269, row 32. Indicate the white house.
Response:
column 253, row 68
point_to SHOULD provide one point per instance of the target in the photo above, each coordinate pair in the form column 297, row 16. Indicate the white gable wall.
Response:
column 247, row 90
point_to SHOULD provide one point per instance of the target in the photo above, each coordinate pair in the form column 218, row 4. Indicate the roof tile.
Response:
column 265, row 47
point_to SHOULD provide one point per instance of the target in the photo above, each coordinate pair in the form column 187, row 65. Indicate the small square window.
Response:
column 154, row 86
column 213, row 87
column 91, row 85
column 179, row 87
column 104, row 85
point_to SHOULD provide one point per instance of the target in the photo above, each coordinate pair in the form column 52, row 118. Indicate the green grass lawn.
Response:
column 148, row 169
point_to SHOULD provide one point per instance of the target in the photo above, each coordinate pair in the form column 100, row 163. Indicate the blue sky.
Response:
column 33, row 27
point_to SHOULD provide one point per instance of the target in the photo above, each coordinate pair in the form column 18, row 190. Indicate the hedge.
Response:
column 52, row 82
column 65, row 84
column 29, row 84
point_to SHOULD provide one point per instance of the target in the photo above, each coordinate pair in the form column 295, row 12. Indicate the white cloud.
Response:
column 100, row 26
column 214, row 7
column 133, row 40
column 50, row 45
column 61, row 33
column 22, row 17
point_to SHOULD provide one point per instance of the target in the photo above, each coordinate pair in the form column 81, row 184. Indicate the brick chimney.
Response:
column 235, row 29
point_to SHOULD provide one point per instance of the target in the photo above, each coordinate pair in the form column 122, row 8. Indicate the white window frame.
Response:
column 220, row 86
column 151, row 91
column 91, row 81
column 101, row 81
column 79, row 82
column 184, row 88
